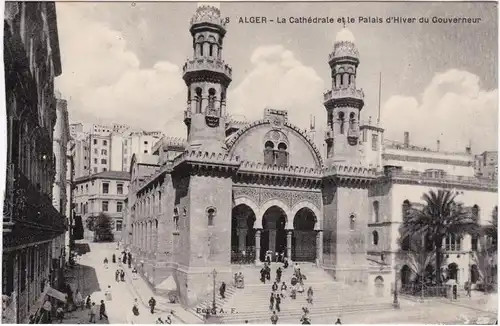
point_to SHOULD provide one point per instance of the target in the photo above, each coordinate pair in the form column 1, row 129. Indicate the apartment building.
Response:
column 486, row 165
column 103, row 192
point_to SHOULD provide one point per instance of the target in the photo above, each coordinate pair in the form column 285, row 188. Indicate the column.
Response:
column 272, row 240
column 319, row 248
column 242, row 239
column 289, row 245
column 257, row 246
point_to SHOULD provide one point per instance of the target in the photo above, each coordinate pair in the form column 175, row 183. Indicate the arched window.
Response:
column 375, row 237
column 452, row 242
column 406, row 210
column 176, row 218
column 269, row 153
column 352, row 120
column 345, row 80
column 200, row 44
column 352, row 222
column 282, row 155
column 211, row 98
column 475, row 213
column 376, row 216
column 198, row 99
column 341, row 122
column 211, row 212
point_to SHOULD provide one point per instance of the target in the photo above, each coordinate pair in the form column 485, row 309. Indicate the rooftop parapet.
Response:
column 257, row 167
column 340, row 93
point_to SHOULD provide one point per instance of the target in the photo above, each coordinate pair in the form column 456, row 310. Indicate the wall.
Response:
column 250, row 147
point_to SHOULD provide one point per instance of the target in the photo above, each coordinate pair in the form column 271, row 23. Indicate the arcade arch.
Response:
column 242, row 234
column 304, row 235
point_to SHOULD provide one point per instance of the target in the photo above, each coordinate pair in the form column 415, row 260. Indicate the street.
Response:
column 93, row 278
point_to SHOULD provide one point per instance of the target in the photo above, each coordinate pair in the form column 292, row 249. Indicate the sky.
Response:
column 122, row 62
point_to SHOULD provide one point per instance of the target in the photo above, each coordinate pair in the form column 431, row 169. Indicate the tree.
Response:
column 441, row 216
column 103, row 228
column 483, row 259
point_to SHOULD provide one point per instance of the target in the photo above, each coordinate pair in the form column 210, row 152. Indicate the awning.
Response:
column 56, row 294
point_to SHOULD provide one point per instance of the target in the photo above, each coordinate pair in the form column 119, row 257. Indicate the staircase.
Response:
column 200, row 309
column 331, row 298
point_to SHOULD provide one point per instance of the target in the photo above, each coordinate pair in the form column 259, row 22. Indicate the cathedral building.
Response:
column 233, row 191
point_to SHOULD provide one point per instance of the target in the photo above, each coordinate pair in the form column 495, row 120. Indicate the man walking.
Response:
column 274, row 318
column 222, row 290
column 102, row 311
column 152, row 304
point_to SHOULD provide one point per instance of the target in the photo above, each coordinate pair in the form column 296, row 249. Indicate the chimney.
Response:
column 438, row 145
column 407, row 139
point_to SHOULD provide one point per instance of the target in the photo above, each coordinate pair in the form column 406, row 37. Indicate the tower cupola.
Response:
column 207, row 77
column 343, row 101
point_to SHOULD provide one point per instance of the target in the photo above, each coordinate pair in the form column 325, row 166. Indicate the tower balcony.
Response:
column 340, row 93
column 210, row 67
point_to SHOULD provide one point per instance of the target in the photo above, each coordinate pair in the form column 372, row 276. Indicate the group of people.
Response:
column 239, row 280
column 279, row 293
column 120, row 275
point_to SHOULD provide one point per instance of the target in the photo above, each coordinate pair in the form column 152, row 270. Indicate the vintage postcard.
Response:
column 250, row 162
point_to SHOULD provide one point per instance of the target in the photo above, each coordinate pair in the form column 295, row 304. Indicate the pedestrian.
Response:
column 107, row 294
column 152, row 304
column 468, row 288
column 278, row 302
column 106, row 263
column 117, row 275
column 263, row 275
column 92, row 313
column 113, row 258
column 102, row 311
column 78, row 299
column 455, row 292
column 135, row 308
column 305, row 320
column 283, row 290
column 159, row 321
column 274, row 318
column 124, row 258
column 88, row 302
column 60, row 314
column 285, row 263
column 122, row 275
column 271, row 302
column 129, row 256
column 278, row 274
column 310, row 295
column 338, row 322
column 134, row 273
column 222, row 290
column 275, row 287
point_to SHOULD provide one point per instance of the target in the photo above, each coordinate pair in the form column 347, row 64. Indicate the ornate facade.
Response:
column 234, row 190
column 33, row 228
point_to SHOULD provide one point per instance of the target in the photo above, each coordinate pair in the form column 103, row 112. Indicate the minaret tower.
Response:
column 343, row 102
column 207, row 78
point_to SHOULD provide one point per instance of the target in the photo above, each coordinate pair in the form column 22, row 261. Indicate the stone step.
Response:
column 287, row 314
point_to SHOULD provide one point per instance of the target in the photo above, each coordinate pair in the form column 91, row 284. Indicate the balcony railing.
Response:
column 441, row 178
column 207, row 64
column 30, row 205
column 349, row 92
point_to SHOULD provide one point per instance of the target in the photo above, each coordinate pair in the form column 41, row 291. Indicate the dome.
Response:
column 209, row 4
column 344, row 35
column 344, row 45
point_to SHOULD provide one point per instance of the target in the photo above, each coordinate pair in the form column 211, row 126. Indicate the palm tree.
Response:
column 440, row 217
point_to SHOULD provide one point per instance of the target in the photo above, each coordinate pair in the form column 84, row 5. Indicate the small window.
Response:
column 104, row 161
column 95, row 141
column 119, row 189
column 145, row 142
column 119, row 207
column 96, row 151
column 376, row 216
column 475, row 213
column 105, row 206
column 375, row 238
column 104, row 152
column 95, row 170
column 105, row 188
column 352, row 222
column 105, row 142
column 104, row 169
column 145, row 151
column 374, row 142
column 95, row 161
column 211, row 216
column 119, row 225
column 473, row 244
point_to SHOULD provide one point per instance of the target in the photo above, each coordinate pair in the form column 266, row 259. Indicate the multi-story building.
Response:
column 486, row 165
column 70, row 176
column 75, row 129
column 110, row 148
column 32, row 227
column 103, row 192
column 263, row 186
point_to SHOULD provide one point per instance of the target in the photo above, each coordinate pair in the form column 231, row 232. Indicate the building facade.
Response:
column 98, row 193
column 486, row 165
column 234, row 188
column 33, row 228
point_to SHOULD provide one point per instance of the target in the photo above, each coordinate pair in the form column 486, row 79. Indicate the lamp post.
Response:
column 395, row 302
column 214, row 306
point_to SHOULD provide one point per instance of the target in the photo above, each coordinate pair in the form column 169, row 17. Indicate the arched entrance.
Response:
column 453, row 271
column 379, row 286
column 304, row 236
column 405, row 275
column 474, row 274
column 273, row 231
column 242, row 235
